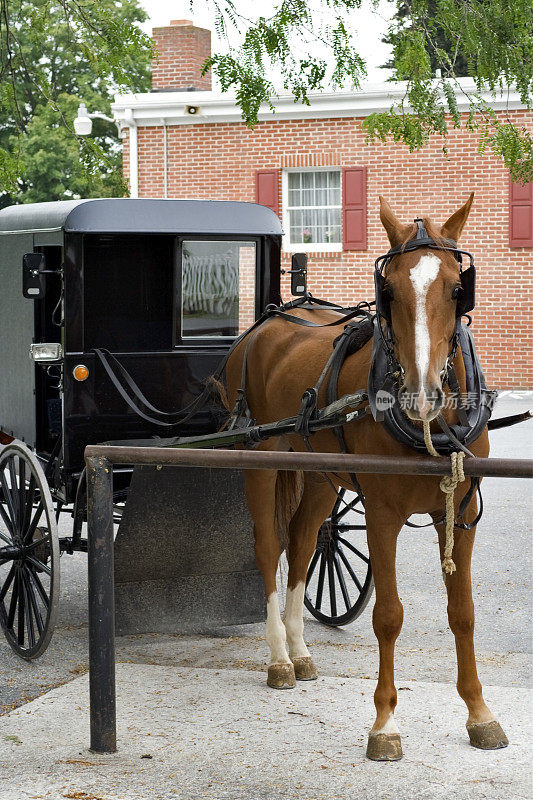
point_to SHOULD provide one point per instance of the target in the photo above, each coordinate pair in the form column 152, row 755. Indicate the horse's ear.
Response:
column 396, row 232
column 453, row 227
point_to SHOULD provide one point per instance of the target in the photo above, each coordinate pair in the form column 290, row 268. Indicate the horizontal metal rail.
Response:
column 311, row 462
column 100, row 460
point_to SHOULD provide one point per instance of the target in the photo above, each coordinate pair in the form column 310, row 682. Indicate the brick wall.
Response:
column 219, row 160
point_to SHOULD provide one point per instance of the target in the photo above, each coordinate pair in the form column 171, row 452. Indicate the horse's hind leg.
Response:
column 315, row 506
column 383, row 527
column 260, row 487
column 483, row 729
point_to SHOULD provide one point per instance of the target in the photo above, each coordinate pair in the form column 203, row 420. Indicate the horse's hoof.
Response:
column 487, row 735
column 304, row 669
column 281, row 676
column 384, row 747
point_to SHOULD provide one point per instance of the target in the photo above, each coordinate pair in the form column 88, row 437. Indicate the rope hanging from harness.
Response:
column 448, row 485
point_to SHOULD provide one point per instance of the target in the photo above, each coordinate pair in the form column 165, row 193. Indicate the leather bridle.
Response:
column 465, row 302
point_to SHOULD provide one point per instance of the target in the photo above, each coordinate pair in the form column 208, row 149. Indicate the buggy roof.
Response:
column 125, row 215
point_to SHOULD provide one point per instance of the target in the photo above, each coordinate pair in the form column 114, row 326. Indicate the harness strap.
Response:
column 184, row 415
column 455, row 389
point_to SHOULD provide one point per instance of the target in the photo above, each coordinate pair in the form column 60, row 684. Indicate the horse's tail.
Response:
column 218, row 390
column 289, row 490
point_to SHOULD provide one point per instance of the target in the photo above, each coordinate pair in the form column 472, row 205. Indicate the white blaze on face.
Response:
column 422, row 276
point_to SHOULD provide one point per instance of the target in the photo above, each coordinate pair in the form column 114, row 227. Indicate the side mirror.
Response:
column 299, row 274
column 33, row 278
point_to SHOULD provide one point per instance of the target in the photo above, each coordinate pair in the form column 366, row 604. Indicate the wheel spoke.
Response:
column 7, row 522
column 320, row 584
column 21, row 612
column 22, row 491
column 33, row 601
column 342, row 582
column 39, row 565
column 4, row 538
column 354, row 550
column 339, row 503
column 346, row 507
column 36, row 543
column 33, row 524
column 312, row 566
column 331, row 582
column 13, row 602
column 8, row 582
column 348, row 566
column 14, row 490
column 40, row 588
column 9, row 500
column 30, row 497
column 30, row 628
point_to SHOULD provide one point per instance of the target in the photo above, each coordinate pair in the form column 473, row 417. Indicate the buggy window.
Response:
column 217, row 288
column 128, row 292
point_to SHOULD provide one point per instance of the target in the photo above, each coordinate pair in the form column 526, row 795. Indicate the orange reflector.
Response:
column 81, row 373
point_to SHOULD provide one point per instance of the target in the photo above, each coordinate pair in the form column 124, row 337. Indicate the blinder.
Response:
column 467, row 298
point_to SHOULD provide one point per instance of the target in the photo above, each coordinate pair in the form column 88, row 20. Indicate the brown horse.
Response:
column 288, row 508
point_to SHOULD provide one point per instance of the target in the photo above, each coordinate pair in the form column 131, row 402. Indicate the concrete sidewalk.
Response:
column 219, row 733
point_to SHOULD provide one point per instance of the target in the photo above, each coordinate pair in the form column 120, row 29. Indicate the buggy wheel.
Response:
column 339, row 579
column 29, row 553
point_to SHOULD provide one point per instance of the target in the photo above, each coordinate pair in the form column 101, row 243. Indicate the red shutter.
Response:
column 267, row 189
column 520, row 215
column 354, row 208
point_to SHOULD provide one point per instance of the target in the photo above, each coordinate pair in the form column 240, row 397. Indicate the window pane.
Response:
column 218, row 288
column 318, row 225
column 295, row 197
column 312, row 189
column 294, row 180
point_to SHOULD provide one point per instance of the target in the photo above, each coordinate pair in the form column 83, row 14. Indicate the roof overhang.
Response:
column 172, row 108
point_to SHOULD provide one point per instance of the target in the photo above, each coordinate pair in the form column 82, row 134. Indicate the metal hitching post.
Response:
column 101, row 605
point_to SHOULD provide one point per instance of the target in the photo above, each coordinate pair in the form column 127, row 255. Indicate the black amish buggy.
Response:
column 111, row 310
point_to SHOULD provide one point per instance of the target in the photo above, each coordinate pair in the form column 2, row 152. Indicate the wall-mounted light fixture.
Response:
column 83, row 124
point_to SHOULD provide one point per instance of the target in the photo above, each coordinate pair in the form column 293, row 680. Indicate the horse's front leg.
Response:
column 315, row 506
column 383, row 527
column 483, row 729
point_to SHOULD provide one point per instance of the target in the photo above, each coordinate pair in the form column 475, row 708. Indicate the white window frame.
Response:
column 308, row 247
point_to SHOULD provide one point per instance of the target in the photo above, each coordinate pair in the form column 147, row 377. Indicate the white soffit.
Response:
column 157, row 108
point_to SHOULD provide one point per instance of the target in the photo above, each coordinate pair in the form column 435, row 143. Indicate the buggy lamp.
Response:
column 46, row 352
column 80, row 372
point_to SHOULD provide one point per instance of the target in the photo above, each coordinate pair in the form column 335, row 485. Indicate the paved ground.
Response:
column 438, row 760
column 204, row 733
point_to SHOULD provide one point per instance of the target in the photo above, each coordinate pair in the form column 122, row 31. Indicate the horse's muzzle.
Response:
column 422, row 405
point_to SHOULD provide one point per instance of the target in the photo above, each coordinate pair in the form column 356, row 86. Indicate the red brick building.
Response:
column 314, row 168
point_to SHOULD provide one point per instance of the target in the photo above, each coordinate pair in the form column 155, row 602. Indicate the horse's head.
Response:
column 423, row 287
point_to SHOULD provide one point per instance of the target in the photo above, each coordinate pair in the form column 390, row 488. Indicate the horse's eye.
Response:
column 456, row 292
